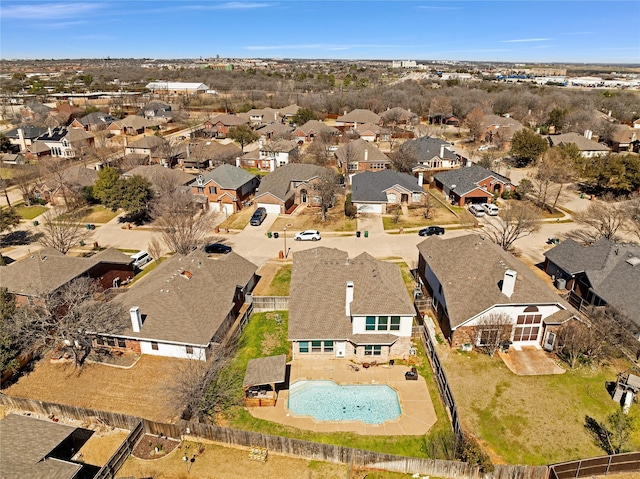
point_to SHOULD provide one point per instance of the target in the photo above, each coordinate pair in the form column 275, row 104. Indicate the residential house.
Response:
column 499, row 130
column 94, row 121
column 34, row 111
column 220, row 126
column 184, row 307
column 480, row 293
column 432, row 155
column 449, row 120
column 307, row 132
column 348, row 308
column 602, row 274
column 263, row 116
column 62, row 142
column 156, row 110
column 130, row 125
column 372, row 192
column 207, row 154
column 160, row 176
column 399, row 116
column 227, row 188
column 66, row 187
column 360, row 155
column 588, row 148
column 33, row 447
column 48, row 270
column 275, row 131
column 624, row 139
column 270, row 155
column 356, row 117
column 13, row 159
column 155, row 148
column 176, row 88
column 288, row 112
column 473, row 184
column 287, row 186
column 636, row 123
column 24, row 136
column 371, row 133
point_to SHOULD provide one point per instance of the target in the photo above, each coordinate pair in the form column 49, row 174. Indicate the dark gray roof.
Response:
column 269, row 370
column 356, row 150
column 470, row 269
column 277, row 182
column 187, row 297
column 75, row 176
column 466, row 179
column 97, row 118
column 318, row 293
column 30, row 132
column 229, row 177
column 274, row 129
column 427, row 147
column 26, row 442
column 609, row 267
column 372, row 186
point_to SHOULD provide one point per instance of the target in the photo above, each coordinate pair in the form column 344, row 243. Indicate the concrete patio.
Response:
column 530, row 361
column 416, row 418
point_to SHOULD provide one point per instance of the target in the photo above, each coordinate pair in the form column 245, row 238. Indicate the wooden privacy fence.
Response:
column 270, row 303
column 596, row 466
column 115, row 462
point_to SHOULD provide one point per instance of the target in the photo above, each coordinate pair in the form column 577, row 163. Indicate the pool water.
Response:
column 328, row 401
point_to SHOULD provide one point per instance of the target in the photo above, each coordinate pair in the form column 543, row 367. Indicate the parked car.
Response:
column 308, row 235
column 140, row 259
column 431, row 230
column 258, row 216
column 476, row 210
column 486, row 147
column 217, row 248
column 490, row 209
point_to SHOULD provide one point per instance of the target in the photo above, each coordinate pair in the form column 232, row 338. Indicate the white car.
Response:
column 308, row 235
column 490, row 209
column 476, row 210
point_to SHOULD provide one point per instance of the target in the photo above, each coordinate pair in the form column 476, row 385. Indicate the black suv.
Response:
column 258, row 216
column 431, row 230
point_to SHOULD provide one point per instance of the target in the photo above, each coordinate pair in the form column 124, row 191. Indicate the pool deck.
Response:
column 417, row 417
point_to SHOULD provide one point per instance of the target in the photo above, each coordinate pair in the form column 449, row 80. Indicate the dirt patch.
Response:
column 142, row 390
column 306, row 218
column 266, row 272
column 154, row 447
column 270, row 342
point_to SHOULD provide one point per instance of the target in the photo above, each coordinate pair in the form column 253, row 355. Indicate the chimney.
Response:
column 126, row 142
column 136, row 319
column 23, row 144
column 420, row 178
column 366, row 155
column 349, row 298
column 442, row 151
column 509, row 282
column 588, row 134
column 188, row 152
column 50, row 131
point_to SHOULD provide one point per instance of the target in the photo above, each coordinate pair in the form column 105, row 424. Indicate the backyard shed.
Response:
column 261, row 378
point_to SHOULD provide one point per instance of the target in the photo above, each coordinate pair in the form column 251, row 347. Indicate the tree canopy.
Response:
column 243, row 134
column 527, row 146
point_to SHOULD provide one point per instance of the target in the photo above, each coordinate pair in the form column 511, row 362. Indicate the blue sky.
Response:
column 500, row 30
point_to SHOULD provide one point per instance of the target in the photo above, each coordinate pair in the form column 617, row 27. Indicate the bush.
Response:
column 350, row 209
column 506, row 195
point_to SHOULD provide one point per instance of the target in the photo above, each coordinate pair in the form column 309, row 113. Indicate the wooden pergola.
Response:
column 260, row 380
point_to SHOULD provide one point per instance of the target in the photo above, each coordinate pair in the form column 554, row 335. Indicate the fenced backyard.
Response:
column 269, row 303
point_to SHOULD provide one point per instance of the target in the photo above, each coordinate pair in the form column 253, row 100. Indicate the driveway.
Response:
column 530, row 361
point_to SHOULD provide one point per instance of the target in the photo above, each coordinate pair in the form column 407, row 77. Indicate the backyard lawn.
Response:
column 533, row 420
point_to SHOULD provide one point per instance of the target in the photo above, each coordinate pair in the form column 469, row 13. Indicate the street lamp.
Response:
column 284, row 235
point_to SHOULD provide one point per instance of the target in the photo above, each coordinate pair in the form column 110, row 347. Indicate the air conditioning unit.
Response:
column 412, row 351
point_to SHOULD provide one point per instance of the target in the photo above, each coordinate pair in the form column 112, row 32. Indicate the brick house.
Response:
column 372, row 191
column 269, row 155
column 220, row 126
column 226, row 188
column 473, row 184
column 307, row 132
column 360, row 155
column 357, row 117
column 348, row 308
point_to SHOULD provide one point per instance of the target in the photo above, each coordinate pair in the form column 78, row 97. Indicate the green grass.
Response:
column 533, row 420
column 279, row 285
column 97, row 214
column 31, row 212
column 263, row 336
column 147, row 269
column 6, row 173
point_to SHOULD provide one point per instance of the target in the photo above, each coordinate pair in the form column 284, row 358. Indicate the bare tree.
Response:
column 491, row 331
column 475, row 122
column 69, row 318
column 26, row 177
column 601, row 219
column 61, row 231
column 542, row 181
column 405, row 158
column 326, row 188
column 155, row 249
column 514, row 221
column 429, row 206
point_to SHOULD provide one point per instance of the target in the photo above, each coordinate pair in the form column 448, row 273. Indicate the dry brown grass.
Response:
column 140, row 391
column 101, row 446
column 311, row 218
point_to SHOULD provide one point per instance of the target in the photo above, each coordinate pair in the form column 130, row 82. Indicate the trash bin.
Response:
column 366, row 233
column 81, row 242
column 88, row 226
column 357, row 234
column 275, row 234
column 35, row 223
column 268, row 234
column 92, row 226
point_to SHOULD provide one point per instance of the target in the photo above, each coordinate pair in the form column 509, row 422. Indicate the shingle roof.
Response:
column 148, row 142
column 229, row 177
column 426, row 148
column 611, row 276
column 134, row 121
column 470, row 270
column 316, row 126
column 230, row 120
column 401, row 113
column 187, row 311
column 158, row 173
column 277, row 182
column 466, row 179
column 279, row 146
column 75, row 176
column 97, row 118
column 372, row 186
column 26, row 442
column 29, row 131
column 318, row 292
column 583, row 144
column 355, row 151
column 289, row 110
column 274, row 129
column 360, row 115
column 48, row 270
column 269, row 370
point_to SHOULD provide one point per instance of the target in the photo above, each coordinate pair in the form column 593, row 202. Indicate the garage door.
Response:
column 369, row 208
column 214, row 206
column 270, row 208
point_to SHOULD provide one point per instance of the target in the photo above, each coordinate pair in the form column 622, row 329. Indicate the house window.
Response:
column 99, row 341
column 527, row 327
column 213, row 190
column 189, row 349
column 122, row 343
column 200, row 189
column 328, row 346
column 383, row 323
column 487, row 337
column 316, row 346
column 154, row 346
column 303, row 346
column 378, row 166
column 371, row 323
column 111, row 342
column 395, row 323
column 372, row 350
column 352, row 166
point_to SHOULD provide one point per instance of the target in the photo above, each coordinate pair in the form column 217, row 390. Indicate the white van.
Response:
column 140, row 259
column 476, row 210
column 490, row 209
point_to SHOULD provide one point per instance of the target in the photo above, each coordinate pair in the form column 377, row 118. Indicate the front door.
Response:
column 341, row 348
column 549, row 341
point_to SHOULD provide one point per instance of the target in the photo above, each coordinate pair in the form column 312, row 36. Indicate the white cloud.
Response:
column 48, row 11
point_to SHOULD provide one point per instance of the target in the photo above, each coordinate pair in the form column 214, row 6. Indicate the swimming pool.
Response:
column 328, row 401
